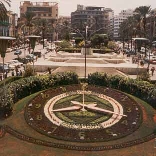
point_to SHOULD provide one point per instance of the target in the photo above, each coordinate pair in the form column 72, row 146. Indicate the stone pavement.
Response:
column 75, row 62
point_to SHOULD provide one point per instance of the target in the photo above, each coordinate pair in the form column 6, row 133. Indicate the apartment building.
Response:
column 96, row 18
column 118, row 19
column 46, row 10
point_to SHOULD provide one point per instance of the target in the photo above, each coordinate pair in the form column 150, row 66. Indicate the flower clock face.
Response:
column 84, row 113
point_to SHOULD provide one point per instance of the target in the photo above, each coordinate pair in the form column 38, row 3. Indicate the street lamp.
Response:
column 32, row 40
column 86, row 31
column 3, row 46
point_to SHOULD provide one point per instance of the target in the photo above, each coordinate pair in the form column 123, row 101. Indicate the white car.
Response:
column 14, row 63
column 9, row 50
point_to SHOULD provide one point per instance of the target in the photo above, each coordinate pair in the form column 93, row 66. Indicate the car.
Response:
column 6, row 67
column 37, row 53
column 9, row 50
column 18, row 52
column 150, row 58
column 30, row 57
column 14, row 63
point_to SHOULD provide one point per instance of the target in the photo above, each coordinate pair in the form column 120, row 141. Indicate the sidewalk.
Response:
column 41, row 62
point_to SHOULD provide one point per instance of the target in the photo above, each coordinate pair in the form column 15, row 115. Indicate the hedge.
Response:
column 23, row 87
column 141, row 89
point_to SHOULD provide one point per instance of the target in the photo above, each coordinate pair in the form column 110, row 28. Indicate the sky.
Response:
column 68, row 6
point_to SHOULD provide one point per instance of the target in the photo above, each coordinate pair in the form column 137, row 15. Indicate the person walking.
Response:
column 152, row 70
column 20, row 73
column 12, row 73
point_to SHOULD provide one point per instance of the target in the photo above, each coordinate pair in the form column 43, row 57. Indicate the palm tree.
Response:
column 123, row 31
column 143, row 11
column 28, row 18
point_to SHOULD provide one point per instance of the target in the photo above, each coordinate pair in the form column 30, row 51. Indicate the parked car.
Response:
column 14, row 63
column 30, row 57
column 150, row 58
column 9, row 50
column 18, row 52
column 6, row 68
column 37, row 53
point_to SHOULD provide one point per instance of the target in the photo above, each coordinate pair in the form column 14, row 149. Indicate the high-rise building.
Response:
column 96, row 18
column 118, row 19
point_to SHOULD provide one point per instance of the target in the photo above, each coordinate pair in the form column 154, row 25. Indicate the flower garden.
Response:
column 30, row 124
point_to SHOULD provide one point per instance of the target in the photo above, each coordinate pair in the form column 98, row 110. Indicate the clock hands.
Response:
column 92, row 107
column 67, row 109
column 77, row 107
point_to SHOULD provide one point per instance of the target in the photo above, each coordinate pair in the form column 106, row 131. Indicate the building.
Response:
column 4, row 21
column 42, row 10
column 110, row 22
column 118, row 19
column 96, row 18
column 13, row 18
column 46, row 10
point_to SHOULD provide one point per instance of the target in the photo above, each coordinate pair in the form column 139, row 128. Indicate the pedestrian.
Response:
column 152, row 70
column 1, row 77
column 20, row 73
column 16, row 70
column 5, row 75
column 44, row 56
column 147, row 69
column 36, row 58
column 49, row 70
column 12, row 73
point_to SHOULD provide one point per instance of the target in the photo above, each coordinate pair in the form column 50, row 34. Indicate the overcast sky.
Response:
column 68, row 6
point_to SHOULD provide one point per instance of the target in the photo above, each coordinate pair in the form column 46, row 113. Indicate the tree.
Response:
column 27, row 19
column 98, row 39
column 64, row 44
column 143, row 11
column 64, row 30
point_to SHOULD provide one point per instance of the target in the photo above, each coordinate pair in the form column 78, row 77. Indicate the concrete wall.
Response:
column 131, row 71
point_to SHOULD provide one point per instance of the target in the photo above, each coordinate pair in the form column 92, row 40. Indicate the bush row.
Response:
column 26, row 86
column 141, row 89
column 71, row 50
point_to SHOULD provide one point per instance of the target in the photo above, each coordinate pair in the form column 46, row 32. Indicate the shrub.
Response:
column 141, row 89
column 28, row 71
column 26, row 86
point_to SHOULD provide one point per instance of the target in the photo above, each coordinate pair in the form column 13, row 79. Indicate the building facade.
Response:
column 4, row 21
column 118, row 19
column 96, row 18
column 45, row 10
column 13, row 18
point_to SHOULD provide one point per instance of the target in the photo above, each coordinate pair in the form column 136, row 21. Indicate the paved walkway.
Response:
column 44, row 61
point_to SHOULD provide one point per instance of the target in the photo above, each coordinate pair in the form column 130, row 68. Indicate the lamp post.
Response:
column 3, row 46
column 86, row 31
column 32, row 40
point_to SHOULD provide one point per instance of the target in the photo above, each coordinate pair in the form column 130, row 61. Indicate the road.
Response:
column 10, row 56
